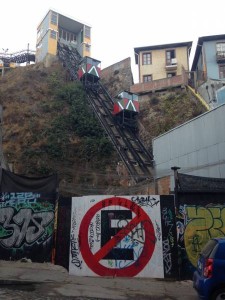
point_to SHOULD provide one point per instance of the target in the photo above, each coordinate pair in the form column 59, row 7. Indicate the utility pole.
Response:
column 28, row 62
column 175, row 169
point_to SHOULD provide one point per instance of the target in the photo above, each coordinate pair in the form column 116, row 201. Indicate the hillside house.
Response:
column 208, row 69
column 162, row 66
column 55, row 28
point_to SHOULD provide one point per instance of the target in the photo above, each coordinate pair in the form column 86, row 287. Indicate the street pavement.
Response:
column 36, row 281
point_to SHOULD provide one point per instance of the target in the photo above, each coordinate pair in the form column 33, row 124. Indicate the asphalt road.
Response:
column 32, row 281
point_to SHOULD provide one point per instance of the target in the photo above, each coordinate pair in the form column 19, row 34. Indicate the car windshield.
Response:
column 207, row 249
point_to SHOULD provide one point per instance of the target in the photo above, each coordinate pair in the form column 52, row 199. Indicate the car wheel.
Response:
column 219, row 294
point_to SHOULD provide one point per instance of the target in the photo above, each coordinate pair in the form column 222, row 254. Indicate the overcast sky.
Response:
column 118, row 26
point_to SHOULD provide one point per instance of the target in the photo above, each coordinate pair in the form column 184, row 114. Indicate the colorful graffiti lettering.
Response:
column 202, row 224
column 24, row 226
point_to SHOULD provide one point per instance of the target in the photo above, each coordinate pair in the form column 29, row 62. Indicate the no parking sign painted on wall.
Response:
column 116, row 236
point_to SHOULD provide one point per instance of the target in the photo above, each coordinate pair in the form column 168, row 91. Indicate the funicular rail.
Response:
column 136, row 158
column 131, row 150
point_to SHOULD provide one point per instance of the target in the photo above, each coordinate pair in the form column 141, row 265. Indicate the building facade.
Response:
column 55, row 28
column 162, row 61
column 165, row 65
column 208, row 69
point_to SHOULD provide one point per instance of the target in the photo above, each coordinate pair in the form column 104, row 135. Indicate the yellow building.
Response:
column 55, row 28
column 162, row 61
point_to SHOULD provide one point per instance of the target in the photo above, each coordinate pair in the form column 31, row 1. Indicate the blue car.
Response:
column 209, row 278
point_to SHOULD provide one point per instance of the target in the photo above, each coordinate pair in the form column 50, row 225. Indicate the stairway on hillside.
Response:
column 70, row 58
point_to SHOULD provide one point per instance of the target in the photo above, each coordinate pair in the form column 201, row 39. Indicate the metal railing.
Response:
column 17, row 57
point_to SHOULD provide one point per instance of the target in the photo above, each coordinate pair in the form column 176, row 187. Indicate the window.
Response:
column 53, row 34
column 170, row 54
column 66, row 35
column 147, row 78
column 169, row 75
column 54, row 18
column 87, row 32
column 87, row 47
column 39, row 45
column 222, row 71
column 147, row 58
column 220, row 47
column 39, row 33
column 220, row 52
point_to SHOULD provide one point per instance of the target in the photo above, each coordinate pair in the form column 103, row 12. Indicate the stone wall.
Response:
column 118, row 77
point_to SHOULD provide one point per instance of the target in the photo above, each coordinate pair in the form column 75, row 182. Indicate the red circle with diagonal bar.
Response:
column 93, row 259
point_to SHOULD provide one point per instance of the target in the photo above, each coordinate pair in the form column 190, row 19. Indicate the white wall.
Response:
column 138, row 222
column 197, row 147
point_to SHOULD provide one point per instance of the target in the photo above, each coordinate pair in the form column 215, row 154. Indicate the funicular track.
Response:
column 134, row 155
column 138, row 161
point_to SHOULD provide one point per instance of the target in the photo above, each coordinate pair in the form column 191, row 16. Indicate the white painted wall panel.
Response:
column 221, row 149
column 192, row 158
column 202, row 157
column 197, row 146
column 89, row 228
column 222, row 169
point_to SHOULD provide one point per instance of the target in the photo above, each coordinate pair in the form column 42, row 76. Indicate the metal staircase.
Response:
column 70, row 58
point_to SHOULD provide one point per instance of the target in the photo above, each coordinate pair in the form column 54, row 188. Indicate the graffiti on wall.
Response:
column 196, row 224
column 169, row 240
column 26, row 226
column 120, row 236
column 199, row 225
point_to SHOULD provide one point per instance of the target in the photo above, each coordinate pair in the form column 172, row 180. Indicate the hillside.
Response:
column 48, row 127
column 163, row 111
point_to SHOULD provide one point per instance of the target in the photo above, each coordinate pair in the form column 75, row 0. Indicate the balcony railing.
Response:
column 171, row 64
column 160, row 84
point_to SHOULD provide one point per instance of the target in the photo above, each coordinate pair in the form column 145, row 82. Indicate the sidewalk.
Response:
column 27, row 280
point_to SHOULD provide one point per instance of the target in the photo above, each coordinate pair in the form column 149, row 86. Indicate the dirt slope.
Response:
column 31, row 107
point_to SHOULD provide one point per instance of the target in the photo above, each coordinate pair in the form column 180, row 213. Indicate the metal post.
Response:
column 175, row 183
column 28, row 62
